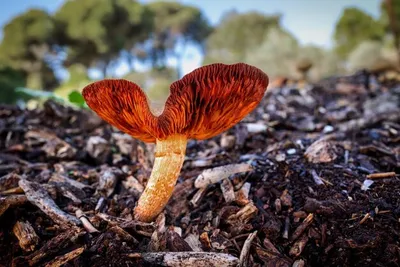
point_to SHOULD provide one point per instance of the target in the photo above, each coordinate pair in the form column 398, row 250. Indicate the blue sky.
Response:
column 311, row 21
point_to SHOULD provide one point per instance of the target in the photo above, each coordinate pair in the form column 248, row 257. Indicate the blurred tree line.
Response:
column 99, row 35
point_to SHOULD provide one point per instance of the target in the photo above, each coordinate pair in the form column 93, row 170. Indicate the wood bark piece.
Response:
column 227, row 190
column 10, row 201
column 60, row 260
column 244, row 254
column 40, row 198
column 54, row 245
column 26, row 235
column 191, row 259
column 212, row 176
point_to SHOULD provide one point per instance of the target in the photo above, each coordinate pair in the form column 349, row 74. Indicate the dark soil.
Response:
column 310, row 206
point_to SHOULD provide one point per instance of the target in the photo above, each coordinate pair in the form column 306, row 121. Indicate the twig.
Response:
column 316, row 177
column 40, row 198
column 244, row 254
column 9, row 201
column 381, row 175
column 212, row 176
column 302, row 227
column 61, row 260
column 26, row 235
column 85, row 221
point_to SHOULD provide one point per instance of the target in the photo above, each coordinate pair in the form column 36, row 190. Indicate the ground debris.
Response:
column 187, row 259
column 40, row 198
column 309, row 178
column 212, row 176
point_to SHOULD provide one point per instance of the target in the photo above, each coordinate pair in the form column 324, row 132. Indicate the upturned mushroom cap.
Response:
column 381, row 65
column 202, row 104
column 304, row 64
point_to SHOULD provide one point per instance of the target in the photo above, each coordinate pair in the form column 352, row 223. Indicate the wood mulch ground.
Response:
column 323, row 188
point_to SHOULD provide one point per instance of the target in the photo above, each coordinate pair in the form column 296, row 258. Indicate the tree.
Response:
column 276, row 54
column 354, row 27
column 9, row 80
column 237, row 34
column 390, row 17
column 27, row 41
column 95, row 32
column 175, row 26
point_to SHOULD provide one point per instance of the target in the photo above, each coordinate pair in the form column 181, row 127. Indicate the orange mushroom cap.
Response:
column 204, row 103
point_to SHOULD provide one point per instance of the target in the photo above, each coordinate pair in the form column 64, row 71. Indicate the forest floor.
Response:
column 322, row 187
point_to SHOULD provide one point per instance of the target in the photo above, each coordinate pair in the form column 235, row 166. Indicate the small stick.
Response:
column 286, row 230
column 244, row 254
column 227, row 190
column 212, row 176
column 85, row 221
column 365, row 218
column 303, row 226
column 26, row 235
column 61, row 260
column 39, row 197
column 298, row 246
column 381, row 175
column 316, row 178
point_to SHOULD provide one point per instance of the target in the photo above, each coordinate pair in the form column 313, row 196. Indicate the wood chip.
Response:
column 242, row 195
column 40, row 198
column 321, row 151
column 61, row 260
column 194, row 242
column 244, row 254
column 191, row 259
column 11, row 201
column 56, row 177
column 212, row 176
column 298, row 246
column 227, row 190
column 54, row 245
column 198, row 196
column 302, row 227
column 244, row 215
column 26, row 235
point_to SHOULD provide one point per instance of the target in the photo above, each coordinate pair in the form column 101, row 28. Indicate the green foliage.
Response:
column 27, row 40
column 95, row 32
column 354, row 27
column 237, row 34
column 390, row 17
column 175, row 23
column 9, row 80
column 78, row 79
column 155, row 82
column 276, row 55
column 77, row 99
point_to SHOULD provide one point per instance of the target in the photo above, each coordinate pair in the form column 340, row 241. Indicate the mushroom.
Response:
column 201, row 105
column 303, row 66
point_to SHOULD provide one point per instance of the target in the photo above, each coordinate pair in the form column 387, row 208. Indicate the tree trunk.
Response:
column 394, row 25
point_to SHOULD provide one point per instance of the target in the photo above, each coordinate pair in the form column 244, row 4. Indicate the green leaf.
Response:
column 77, row 99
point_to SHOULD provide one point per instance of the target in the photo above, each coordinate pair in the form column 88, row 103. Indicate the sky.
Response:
column 311, row 21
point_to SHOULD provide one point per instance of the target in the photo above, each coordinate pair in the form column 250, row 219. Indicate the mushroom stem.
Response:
column 169, row 157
